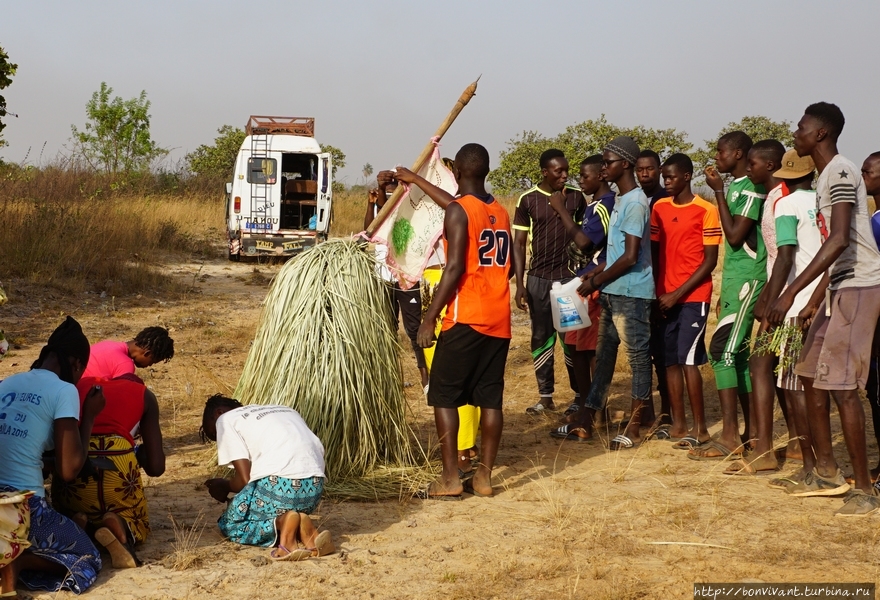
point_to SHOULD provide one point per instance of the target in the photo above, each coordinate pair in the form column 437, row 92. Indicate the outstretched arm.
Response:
column 623, row 264
column 440, row 196
column 456, row 227
column 837, row 242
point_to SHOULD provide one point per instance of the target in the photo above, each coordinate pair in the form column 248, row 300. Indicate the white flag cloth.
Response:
column 413, row 228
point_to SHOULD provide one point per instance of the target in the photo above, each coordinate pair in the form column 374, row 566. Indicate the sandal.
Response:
column 568, row 432
column 295, row 554
column 621, row 442
column 700, row 452
column 541, row 406
column 323, row 545
column 741, row 467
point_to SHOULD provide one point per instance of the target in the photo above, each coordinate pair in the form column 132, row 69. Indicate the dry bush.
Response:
column 61, row 228
column 185, row 553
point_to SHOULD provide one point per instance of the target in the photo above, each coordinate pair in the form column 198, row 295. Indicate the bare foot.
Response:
column 288, row 526
column 441, row 488
column 481, row 484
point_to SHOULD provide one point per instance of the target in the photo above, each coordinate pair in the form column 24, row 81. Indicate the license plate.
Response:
column 264, row 245
column 291, row 246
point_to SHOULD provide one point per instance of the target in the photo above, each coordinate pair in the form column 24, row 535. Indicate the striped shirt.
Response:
column 550, row 259
column 859, row 264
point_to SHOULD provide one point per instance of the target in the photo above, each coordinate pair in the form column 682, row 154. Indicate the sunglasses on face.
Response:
column 608, row 163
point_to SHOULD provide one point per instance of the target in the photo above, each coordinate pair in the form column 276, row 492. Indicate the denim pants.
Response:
column 626, row 320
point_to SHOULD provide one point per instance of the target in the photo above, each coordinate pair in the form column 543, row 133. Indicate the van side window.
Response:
column 262, row 170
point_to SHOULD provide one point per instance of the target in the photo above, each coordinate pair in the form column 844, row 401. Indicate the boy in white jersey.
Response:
column 837, row 349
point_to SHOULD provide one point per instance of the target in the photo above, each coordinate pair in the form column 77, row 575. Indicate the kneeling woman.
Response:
column 278, row 480
column 40, row 411
column 110, row 501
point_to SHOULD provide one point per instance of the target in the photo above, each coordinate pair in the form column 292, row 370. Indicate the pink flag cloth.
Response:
column 413, row 229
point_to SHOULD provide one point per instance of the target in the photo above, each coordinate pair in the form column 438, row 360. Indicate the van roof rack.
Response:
column 258, row 125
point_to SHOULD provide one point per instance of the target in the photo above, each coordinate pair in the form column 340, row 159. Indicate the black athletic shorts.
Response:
column 468, row 368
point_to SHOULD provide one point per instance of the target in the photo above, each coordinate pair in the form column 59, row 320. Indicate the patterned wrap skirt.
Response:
column 250, row 517
column 120, row 491
column 15, row 522
column 56, row 538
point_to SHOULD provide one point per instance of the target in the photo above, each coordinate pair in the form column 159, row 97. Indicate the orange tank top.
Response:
column 482, row 299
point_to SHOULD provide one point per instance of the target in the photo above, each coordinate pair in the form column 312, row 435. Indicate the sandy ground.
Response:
column 568, row 520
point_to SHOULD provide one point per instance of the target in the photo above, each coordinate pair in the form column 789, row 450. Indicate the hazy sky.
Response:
column 380, row 75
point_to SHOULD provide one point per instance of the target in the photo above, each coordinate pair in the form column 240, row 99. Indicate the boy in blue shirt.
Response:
column 626, row 284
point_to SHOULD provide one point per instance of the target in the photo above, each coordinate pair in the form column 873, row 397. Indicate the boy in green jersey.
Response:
column 743, row 275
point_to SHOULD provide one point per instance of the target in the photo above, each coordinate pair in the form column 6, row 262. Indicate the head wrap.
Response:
column 625, row 147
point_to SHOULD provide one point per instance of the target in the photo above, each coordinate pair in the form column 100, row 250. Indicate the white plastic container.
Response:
column 568, row 307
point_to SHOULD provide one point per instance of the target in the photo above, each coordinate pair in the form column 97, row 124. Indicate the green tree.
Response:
column 336, row 155
column 7, row 70
column 519, row 170
column 116, row 137
column 217, row 160
column 757, row 127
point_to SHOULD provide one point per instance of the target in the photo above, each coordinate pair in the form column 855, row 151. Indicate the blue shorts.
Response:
column 685, row 334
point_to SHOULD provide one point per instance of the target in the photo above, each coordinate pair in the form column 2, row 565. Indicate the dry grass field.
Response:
column 569, row 520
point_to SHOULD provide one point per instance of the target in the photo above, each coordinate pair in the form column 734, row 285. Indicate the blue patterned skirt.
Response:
column 58, row 539
column 250, row 517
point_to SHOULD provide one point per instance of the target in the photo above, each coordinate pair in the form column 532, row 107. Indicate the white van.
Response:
column 279, row 200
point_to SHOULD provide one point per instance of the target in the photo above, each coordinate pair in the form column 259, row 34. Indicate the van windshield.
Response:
column 262, row 170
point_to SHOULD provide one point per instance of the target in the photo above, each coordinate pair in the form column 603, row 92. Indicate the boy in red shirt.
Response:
column 685, row 235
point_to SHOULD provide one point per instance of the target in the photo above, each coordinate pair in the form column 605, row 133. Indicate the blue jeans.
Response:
column 628, row 320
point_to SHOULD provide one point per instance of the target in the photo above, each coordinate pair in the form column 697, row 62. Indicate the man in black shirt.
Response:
column 535, row 218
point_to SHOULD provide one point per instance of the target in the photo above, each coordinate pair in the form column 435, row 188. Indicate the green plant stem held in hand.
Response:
column 786, row 342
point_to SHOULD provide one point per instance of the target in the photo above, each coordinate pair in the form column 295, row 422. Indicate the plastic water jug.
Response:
column 568, row 307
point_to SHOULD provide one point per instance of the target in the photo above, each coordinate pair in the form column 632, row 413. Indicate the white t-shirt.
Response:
column 30, row 403
column 274, row 438
column 768, row 227
column 795, row 225
column 859, row 265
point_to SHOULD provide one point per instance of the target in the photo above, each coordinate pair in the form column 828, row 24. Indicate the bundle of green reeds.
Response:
column 325, row 347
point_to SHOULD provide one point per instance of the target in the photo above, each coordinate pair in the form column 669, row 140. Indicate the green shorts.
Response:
column 729, row 349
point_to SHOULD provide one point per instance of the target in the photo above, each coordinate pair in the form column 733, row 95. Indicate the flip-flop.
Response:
column 782, row 483
column 323, row 545
column 687, row 442
column 424, row 495
column 621, row 442
column 567, row 432
column 468, row 486
column 121, row 556
column 742, row 468
column 712, row 445
column 295, row 554
column 661, row 433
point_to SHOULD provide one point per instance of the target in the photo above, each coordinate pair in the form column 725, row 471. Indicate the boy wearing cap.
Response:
column 793, row 206
column 837, row 352
column 627, row 290
column 742, row 277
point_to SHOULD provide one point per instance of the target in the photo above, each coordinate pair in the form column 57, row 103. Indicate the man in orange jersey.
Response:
column 472, row 347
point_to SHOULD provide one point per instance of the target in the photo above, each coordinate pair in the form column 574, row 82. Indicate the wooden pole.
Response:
column 423, row 157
